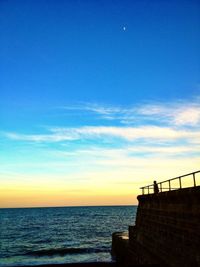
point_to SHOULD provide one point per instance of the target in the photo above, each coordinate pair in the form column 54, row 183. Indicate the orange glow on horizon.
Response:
column 32, row 199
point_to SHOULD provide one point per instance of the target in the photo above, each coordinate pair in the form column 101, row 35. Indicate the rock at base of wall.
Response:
column 128, row 253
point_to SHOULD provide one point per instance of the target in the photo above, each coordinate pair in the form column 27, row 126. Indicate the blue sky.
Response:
column 93, row 89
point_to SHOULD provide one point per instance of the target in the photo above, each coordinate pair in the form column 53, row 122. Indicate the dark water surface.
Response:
column 60, row 235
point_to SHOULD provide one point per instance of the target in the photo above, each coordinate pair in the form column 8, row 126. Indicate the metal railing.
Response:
column 150, row 188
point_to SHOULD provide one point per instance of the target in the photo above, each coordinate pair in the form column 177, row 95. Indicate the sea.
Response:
column 33, row 236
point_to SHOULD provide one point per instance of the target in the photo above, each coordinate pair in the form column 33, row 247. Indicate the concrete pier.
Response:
column 167, row 231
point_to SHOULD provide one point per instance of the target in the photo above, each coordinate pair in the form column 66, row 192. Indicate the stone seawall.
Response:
column 167, row 230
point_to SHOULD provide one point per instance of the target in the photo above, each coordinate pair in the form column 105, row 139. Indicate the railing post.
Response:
column 169, row 185
column 180, row 182
column 194, row 179
column 160, row 187
column 143, row 190
column 148, row 189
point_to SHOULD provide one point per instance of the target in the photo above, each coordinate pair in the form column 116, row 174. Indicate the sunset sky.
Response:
column 97, row 98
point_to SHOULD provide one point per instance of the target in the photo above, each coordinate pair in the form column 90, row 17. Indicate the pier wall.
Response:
column 168, row 226
column 166, row 233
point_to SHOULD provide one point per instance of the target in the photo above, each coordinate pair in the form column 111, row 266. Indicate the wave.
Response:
column 65, row 251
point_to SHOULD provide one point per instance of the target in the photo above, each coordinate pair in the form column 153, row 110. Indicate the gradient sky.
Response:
column 97, row 98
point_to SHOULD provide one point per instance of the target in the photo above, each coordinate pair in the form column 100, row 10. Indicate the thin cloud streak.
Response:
column 185, row 114
column 180, row 113
column 92, row 132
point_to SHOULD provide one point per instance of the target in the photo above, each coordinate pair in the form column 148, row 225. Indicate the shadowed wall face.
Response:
column 168, row 226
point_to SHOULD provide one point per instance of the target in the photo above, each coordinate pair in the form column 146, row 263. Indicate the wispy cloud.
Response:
column 71, row 135
column 105, row 166
column 140, row 143
column 180, row 113
column 92, row 132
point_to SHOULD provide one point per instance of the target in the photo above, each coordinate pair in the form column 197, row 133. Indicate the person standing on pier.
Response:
column 155, row 187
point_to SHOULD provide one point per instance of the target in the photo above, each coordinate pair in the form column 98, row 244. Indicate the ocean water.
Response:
column 32, row 236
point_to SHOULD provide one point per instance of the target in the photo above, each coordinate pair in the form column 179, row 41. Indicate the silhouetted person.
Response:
column 155, row 187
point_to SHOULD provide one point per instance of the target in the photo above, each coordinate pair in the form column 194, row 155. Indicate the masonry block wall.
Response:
column 168, row 226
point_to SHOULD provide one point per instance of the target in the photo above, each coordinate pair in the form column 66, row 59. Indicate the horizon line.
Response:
column 78, row 206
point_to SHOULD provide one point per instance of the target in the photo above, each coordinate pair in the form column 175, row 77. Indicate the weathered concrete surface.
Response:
column 120, row 246
column 167, row 229
column 127, row 252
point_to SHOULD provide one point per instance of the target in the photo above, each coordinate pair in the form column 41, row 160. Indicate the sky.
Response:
column 97, row 98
